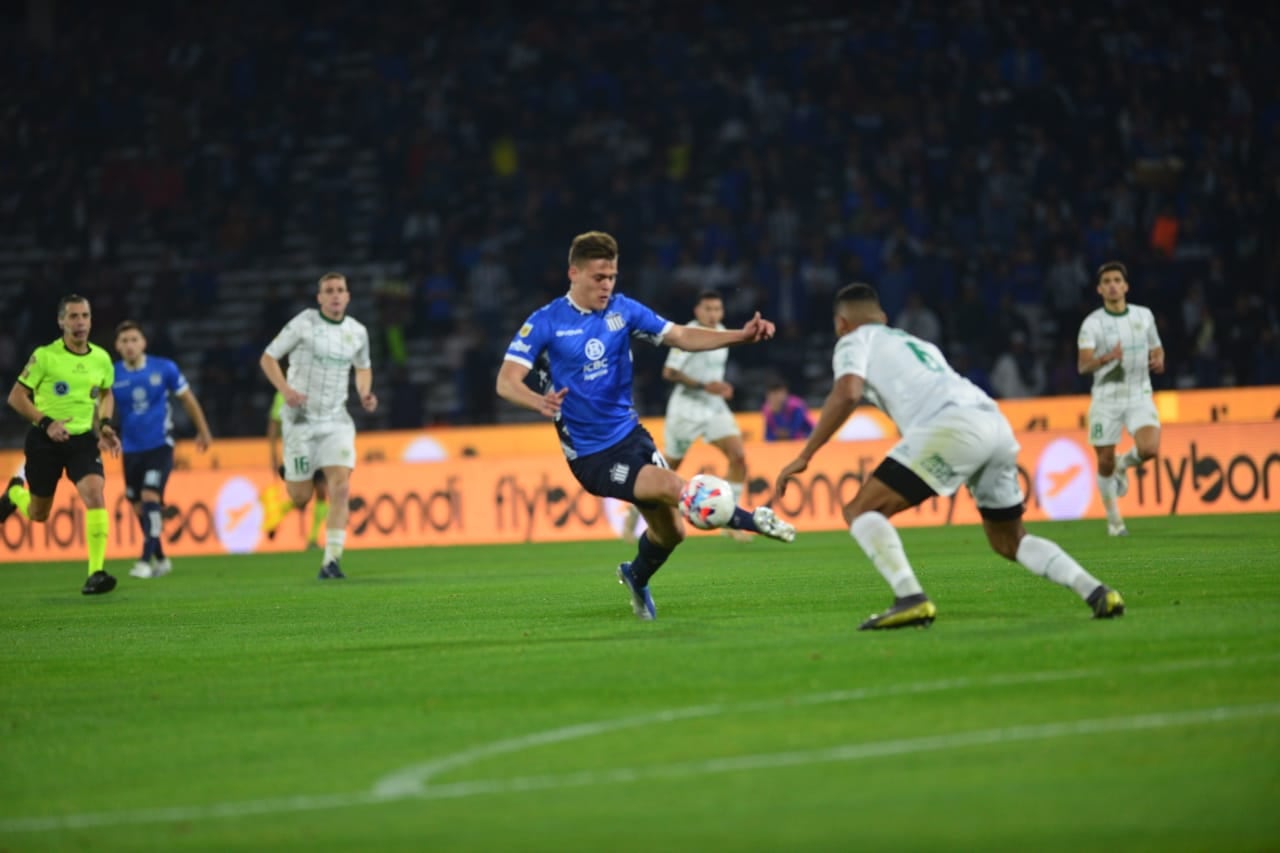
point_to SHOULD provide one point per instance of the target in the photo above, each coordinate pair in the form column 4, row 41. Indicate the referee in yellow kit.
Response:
column 65, row 393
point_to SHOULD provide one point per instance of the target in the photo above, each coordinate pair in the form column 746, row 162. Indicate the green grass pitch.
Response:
column 505, row 698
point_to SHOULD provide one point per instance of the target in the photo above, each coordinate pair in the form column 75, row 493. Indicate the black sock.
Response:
column 152, row 527
column 743, row 520
column 649, row 558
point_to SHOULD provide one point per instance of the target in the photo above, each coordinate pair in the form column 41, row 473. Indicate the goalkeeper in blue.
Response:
column 578, row 350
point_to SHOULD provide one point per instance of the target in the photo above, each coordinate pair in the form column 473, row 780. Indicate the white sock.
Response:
column 1107, row 488
column 156, row 521
column 333, row 542
column 1128, row 460
column 1048, row 560
column 880, row 541
column 739, row 489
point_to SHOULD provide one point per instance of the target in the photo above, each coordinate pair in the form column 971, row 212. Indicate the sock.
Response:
column 1107, row 489
column 152, row 525
column 1048, row 560
column 319, row 512
column 880, row 541
column 333, row 546
column 649, row 558
column 96, row 525
column 739, row 489
column 743, row 520
column 21, row 498
column 1128, row 460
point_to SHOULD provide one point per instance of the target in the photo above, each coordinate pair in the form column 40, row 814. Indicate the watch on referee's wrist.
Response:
column 105, row 423
column 44, row 422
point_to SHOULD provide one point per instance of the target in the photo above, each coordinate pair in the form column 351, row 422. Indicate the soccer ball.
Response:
column 707, row 501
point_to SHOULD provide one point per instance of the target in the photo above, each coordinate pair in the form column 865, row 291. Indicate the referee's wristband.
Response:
column 43, row 423
column 104, row 423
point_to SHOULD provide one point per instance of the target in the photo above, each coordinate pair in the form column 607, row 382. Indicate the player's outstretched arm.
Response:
column 840, row 403
column 699, row 339
column 511, row 388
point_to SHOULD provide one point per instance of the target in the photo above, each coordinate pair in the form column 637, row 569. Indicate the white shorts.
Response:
column 1107, row 419
column 965, row 446
column 685, row 424
column 309, row 447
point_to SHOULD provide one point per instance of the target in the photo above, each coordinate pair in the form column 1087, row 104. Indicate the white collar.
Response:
column 576, row 306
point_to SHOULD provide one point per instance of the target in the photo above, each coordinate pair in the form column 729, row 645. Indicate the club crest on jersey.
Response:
column 155, row 379
column 615, row 321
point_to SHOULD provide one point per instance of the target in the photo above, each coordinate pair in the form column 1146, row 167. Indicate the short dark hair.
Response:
column 128, row 326
column 709, row 293
column 857, row 292
column 592, row 246
column 1112, row 266
column 67, row 300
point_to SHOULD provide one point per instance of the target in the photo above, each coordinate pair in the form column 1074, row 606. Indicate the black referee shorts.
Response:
column 47, row 459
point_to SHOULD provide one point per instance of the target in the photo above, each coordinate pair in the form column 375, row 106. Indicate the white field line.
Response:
column 412, row 782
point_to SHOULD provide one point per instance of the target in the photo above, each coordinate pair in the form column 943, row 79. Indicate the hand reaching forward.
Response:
column 788, row 473
column 758, row 329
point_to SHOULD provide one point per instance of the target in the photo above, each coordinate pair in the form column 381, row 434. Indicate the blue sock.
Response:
column 743, row 520
column 152, row 526
column 649, row 558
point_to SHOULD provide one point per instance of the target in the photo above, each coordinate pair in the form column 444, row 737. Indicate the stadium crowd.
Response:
column 196, row 167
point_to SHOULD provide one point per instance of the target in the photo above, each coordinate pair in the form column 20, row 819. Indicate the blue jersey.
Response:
column 142, row 399
column 588, row 352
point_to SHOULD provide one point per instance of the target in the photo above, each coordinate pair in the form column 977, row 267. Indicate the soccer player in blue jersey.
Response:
column 142, row 386
column 581, row 347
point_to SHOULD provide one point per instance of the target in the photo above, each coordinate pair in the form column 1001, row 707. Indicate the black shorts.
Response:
column 47, row 459
column 612, row 472
column 147, row 469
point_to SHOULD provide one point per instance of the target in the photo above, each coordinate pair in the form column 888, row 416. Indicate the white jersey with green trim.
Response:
column 321, row 353
column 905, row 377
column 1134, row 328
column 705, row 366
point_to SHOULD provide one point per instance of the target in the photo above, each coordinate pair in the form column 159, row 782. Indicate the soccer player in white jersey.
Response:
column 953, row 434
column 698, row 406
column 323, row 345
column 1120, row 346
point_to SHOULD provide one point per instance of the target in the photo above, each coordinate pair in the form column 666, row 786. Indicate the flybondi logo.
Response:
column 237, row 516
column 1064, row 480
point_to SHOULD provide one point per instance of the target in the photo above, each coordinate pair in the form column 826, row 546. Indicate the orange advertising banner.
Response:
column 435, row 444
column 1212, row 468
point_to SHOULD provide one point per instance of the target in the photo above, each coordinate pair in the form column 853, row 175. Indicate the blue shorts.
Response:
column 147, row 469
column 612, row 472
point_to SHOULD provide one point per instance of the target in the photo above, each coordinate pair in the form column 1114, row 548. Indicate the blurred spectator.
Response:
column 1002, row 147
column 1017, row 372
column 920, row 320
column 786, row 417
